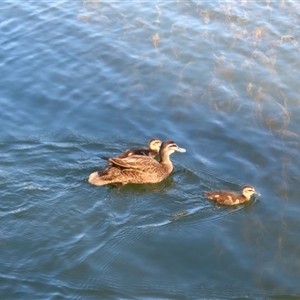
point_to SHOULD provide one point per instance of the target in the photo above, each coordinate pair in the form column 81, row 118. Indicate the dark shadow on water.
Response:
column 143, row 188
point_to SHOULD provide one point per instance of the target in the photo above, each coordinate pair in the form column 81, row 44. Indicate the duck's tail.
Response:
column 104, row 157
column 96, row 179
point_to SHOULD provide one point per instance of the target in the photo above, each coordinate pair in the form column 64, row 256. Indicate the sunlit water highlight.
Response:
column 85, row 79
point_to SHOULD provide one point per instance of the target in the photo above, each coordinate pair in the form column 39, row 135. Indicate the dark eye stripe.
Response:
column 172, row 145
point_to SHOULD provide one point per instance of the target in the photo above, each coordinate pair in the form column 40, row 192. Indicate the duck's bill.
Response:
column 182, row 150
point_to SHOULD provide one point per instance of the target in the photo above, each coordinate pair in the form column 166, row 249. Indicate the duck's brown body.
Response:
column 137, row 168
column 231, row 198
column 149, row 171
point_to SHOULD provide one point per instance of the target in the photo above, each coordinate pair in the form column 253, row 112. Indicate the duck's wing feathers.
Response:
column 138, row 162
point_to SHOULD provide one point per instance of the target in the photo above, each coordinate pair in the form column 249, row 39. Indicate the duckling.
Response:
column 231, row 198
column 137, row 168
column 153, row 150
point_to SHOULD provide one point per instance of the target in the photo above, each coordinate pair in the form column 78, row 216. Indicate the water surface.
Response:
column 85, row 79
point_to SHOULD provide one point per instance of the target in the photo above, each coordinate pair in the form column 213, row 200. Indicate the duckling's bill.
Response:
column 182, row 150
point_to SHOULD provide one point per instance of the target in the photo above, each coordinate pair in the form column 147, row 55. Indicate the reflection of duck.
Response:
column 153, row 150
column 137, row 168
column 231, row 198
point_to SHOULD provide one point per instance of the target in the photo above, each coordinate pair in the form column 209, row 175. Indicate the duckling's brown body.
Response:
column 137, row 168
column 144, row 152
column 231, row 198
column 152, row 150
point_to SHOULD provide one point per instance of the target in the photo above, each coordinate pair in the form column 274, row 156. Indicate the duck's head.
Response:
column 154, row 144
column 169, row 147
column 249, row 191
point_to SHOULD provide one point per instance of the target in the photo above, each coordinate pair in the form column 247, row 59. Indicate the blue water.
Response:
column 85, row 79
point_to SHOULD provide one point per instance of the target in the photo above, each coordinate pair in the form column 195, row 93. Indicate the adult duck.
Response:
column 138, row 168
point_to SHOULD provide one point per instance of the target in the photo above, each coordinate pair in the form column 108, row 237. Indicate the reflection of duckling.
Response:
column 153, row 150
column 231, row 198
column 137, row 168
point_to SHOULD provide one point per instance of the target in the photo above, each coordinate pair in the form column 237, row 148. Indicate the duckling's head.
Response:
column 169, row 147
column 154, row 144
column 249, row 191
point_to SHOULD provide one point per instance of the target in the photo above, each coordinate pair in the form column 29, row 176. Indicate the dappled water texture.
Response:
column 85, row 79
